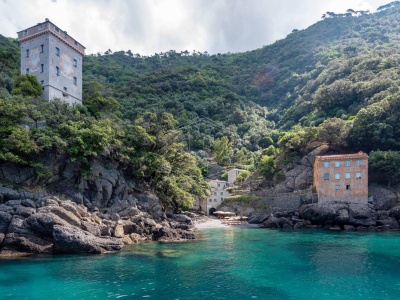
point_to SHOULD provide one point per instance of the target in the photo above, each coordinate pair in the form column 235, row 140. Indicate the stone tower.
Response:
column 55, row 58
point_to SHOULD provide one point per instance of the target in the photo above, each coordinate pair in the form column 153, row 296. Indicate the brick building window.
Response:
column 57, row 71
column 337, row 176
column 338, row 187
column 57, row 51
column 347, row 187
column 347, row 175
column 358, row 163
column 347, row 163
column 27, row 52
column 326, row 164
column 41, row 48
column 75, row 81
column 209, row 200
column 337, row 163
column 326, row 176
column 358, row 175
column 76, row 64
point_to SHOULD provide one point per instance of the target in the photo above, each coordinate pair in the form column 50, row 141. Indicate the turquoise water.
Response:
column 228, row 263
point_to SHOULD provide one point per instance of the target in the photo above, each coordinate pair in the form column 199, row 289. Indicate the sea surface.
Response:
column 225, row 263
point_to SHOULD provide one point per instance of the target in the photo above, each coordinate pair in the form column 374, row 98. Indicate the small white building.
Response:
column 232, row 174
column 218, row 193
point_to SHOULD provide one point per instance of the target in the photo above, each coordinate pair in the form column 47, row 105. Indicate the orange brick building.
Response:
column 341, row 178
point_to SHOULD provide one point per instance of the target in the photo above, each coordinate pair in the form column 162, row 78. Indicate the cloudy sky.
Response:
column 150, row 26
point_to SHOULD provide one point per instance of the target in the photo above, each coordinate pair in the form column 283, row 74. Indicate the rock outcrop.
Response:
column 52, row 225
column 333, row 216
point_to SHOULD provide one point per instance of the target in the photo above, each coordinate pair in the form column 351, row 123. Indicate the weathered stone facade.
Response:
column 341, row 178
column 55, row 58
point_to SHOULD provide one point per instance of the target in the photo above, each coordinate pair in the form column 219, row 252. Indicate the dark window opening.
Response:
column 347, row 187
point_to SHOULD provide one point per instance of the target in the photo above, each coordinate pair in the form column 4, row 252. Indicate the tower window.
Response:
column 65, row 89
column 27, row 52
column 75, row 81
column 215, row 200
column 27, row 71
column 65, row 35
column 57, row 71
column 76, row 64
column 41, row 48
column 26, row 32
column 56, row 28
column 42, row 82
column 57, row 51
column 76, row 43
column 42, row 68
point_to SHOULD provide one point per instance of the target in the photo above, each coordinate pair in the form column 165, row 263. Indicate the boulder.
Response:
column 395, row 212
column 93, row 228
column 349, row 228
column 43, row 223
column 119, row 231
column 21, row 238
column 28, row 203
column 65, row 215
column 5, row 220
column 254, row 220
column 75, row 240
column 383, row 198
column 298, row 225
column 182, row 218
column 24, row 211
column 389, row 223
column 271, row 222
column 9, row 194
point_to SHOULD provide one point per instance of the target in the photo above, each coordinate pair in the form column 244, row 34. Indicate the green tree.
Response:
column 385, row 165
column 27, row 85
column 96, row 103
column 7, row 60
column 222, row 150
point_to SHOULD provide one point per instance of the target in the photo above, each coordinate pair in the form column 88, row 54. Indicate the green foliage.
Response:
column 96, row 103
column 242, row 177
column 385, row 165
column 225, row 176
column 27, row 85
column 222, row 150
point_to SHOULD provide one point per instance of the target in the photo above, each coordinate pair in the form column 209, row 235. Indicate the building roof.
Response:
column 61, row 35
column 216, row 180
column 342, row 156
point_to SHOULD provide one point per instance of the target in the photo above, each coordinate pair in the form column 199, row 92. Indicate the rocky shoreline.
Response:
column 52, row 225
column 332, row 216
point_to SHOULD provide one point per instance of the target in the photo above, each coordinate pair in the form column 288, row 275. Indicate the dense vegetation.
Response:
column 149, row 146
column 334, row 83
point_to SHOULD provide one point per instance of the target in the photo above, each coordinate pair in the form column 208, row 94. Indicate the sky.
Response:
column 153, row 26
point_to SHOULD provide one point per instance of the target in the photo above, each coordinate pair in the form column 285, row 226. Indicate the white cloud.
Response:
column 149, row 26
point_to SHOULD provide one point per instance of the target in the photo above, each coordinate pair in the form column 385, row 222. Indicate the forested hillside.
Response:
column 336, row 82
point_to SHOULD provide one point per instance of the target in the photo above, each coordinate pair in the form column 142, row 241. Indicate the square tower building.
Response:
column 341, row 178
column 55, row 58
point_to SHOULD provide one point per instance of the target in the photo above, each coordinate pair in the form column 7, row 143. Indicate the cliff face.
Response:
column 97, row 214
